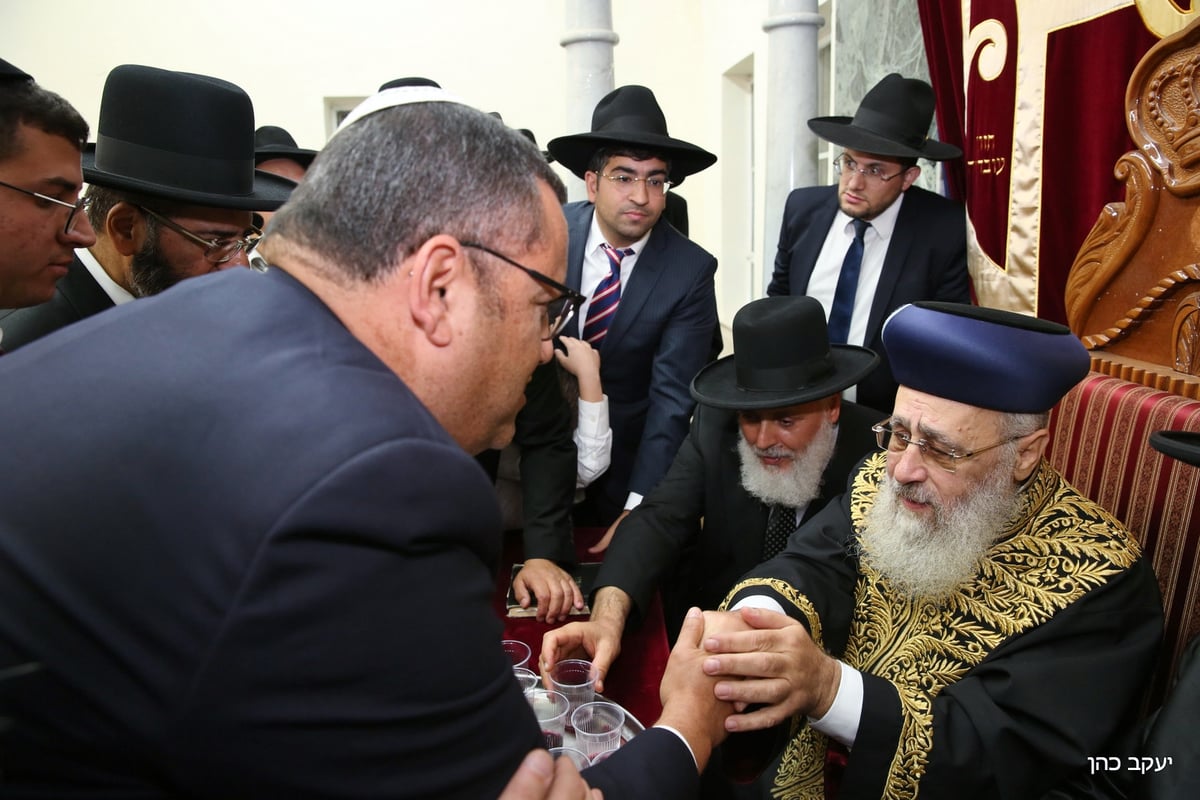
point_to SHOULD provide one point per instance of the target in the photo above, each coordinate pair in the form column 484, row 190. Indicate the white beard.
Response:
column 794, row 486
column 930, row 559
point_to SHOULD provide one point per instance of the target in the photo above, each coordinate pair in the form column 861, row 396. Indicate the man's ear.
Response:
column 126, row 228
column 835, row 408
column 593, row 184
column 1032, row 447
column 910, row 176
column 437, row 274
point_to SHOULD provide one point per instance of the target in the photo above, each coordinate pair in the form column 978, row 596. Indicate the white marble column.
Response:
column 792, row 93
column 589, row 42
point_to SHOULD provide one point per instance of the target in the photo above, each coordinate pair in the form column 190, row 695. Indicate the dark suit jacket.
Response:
column 545, row 430
column 77, row 295
column 658, row 340
column 700, row 530
column 259, row 569
column 926, row 260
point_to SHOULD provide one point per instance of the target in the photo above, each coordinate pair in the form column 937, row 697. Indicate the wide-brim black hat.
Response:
column 11, row 72
column 272, row 141
column 781, row 357
column 630, row 115
column 892, row 120
column 180, row 136
column 1183, row 445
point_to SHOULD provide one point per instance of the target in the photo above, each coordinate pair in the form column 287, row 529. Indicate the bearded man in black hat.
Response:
column 961, row 623
column 875, row 241
column 651, row 309
column 172, row 190
column 41, row 137
column 771, row 441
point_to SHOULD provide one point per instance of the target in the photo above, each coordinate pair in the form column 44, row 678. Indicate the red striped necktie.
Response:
column 603, row 305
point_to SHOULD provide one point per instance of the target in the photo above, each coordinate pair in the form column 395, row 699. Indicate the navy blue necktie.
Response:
column 847, row 286
column 604, row 300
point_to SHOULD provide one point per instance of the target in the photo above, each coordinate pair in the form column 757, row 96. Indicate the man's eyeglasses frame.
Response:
column 79, row 205
column 216, row 251
column 948, row 460
column 568, row 300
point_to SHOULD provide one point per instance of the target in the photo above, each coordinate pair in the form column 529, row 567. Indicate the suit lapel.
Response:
column 809, row 245
column 903, row 236
column 579, row 222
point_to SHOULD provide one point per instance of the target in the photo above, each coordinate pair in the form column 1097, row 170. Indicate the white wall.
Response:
column 501, row 55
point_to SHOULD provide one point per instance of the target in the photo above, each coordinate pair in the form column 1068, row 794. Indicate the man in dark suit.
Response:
column 172, row 188
column 875, row 241
column 651, row 309
column 41, row 137
column 263, row 568
column 770, row 443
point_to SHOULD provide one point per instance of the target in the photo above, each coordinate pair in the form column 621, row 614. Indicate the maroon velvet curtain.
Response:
column 1087, row 68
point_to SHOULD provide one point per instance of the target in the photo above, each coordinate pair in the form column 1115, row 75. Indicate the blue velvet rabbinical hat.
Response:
column 983, row 357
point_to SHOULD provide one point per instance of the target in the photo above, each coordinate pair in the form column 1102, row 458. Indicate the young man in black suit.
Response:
column 651, row 309
column 912, row 245
column 41, row 219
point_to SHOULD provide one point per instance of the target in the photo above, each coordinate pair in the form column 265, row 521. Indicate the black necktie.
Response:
column 847, row 286
column 781, row 523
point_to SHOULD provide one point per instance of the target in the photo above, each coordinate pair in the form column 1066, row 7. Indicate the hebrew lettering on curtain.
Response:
column 1035, row 92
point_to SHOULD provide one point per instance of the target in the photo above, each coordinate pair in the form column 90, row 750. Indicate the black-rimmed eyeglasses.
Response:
column 559, row 310
column 216, row 251
column 79, row 205
column 898, row 441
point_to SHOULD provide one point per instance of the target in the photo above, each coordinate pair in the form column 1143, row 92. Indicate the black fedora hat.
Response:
column 781, row 357
column 892, row 120
column 1183, row 445
column 11, row 72
column 180, row 136
column 630, row 115
column 272, row 141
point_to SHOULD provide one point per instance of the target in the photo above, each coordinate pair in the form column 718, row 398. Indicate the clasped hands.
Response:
column 759, row 658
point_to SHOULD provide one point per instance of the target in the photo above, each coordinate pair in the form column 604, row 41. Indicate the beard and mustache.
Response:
column 795, row 485
column 931, row 557
column 149, row 271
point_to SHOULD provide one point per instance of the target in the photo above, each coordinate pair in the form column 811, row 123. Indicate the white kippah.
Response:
column 400, row 96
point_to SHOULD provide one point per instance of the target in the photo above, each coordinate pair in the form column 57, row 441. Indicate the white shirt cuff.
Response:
column 685, row 743
column 841, row 720
column 633, row 501
column 758, row 601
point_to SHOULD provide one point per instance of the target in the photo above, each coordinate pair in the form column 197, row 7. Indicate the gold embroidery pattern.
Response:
column 1059, row 546
column 789, row 593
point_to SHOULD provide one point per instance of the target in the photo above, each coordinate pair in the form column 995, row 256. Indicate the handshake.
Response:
column 735, row 671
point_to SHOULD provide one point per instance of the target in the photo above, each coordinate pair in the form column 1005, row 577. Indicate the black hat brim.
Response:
column 270, row 191
column 716, row 385
column 842, row 132
column 300, row 155
column 575, row 152
column 1183, row 445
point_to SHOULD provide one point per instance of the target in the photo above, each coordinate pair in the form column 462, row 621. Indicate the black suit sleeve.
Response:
column 651, row 539
column 545, row 429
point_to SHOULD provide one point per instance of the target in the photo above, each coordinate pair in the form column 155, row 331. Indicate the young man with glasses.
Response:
column 962, row 621
column 875, row 241
column 186, row 211
column 41, row 138
column 651, row 305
